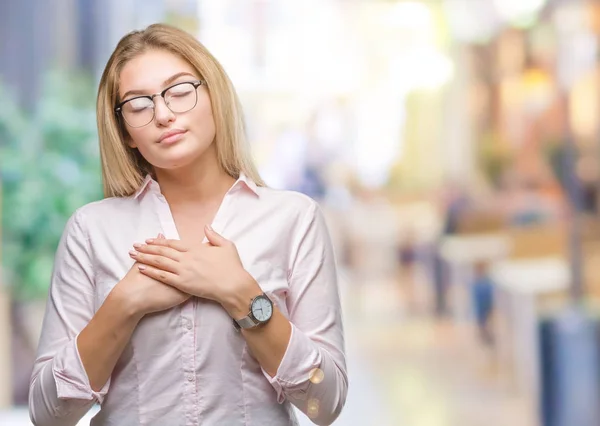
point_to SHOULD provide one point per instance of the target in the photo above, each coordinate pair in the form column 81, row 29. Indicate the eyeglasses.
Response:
column 179, row 98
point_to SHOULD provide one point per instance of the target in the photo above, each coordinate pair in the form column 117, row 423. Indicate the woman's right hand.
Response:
column 143, row 295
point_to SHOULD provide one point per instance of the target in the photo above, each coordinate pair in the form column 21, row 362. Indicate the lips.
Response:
column 172, row 136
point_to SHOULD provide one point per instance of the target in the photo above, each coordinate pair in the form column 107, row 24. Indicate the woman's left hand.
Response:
column 212, row 271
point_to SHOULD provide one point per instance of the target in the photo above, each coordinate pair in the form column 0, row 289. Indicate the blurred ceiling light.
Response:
column 409, row 15
column 521, row 13
column 471, row 21
column 378, row 143
column 537, row 90
column 422, row 67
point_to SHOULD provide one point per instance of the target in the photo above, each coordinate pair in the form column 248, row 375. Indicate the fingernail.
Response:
column 141, row 267
column 133, row 253
column 209, row 228
column 161, row 236
column 138, row 245
column 150, row 240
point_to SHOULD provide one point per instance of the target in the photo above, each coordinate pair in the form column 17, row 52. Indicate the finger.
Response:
column 214, row 237
column 159, row 250
column 159, row 275
column 175, row 244
column 159, row 262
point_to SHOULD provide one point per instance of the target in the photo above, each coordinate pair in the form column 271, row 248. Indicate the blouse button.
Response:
column 190, row 377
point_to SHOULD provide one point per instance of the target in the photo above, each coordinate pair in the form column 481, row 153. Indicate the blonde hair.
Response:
column 123, row 167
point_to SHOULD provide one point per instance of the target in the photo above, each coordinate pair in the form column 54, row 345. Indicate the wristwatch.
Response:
column 261, row 311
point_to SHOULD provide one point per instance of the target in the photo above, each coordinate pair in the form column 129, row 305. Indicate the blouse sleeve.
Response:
column 312, row 374
column 59, row 391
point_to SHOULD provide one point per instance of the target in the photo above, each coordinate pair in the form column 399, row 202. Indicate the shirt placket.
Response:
column 189, row 362
column 187, row 324
column 189, row 348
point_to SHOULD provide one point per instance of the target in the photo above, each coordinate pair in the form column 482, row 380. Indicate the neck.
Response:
column 197, row 183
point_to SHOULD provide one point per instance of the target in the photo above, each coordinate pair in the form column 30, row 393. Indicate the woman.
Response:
column 192, row 294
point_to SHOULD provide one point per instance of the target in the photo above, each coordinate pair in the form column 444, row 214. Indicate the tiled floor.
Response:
column 427, row 372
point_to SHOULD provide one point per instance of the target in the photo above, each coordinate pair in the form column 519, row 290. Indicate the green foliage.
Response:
column 49, row 166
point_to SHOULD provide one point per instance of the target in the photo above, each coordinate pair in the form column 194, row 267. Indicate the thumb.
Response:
column 213, row 237
column 160, row 236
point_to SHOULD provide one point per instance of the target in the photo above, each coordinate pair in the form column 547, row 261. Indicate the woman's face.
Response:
column 172, row 139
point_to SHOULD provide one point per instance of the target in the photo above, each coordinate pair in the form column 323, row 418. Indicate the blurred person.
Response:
column 440, row 282
column 286, row 163
column 289, row 167
column 408, row 259
column 455, row 203
column 312, row 183
column 407, row 251
column 231, row 313
column 482, row 296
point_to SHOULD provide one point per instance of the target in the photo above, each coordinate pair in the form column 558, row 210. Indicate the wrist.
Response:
column 124, row 306
column 237, row 302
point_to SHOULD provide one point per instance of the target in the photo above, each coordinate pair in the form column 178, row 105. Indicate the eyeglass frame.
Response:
column 196, row 83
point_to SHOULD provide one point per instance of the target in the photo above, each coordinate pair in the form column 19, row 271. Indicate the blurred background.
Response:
column 454, row 146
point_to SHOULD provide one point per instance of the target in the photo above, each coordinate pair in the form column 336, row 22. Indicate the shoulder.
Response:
column 101, row 211
column 295, row 204
column 105, row 206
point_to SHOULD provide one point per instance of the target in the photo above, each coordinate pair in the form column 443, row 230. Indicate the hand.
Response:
column 212, row 271
column 144, row 295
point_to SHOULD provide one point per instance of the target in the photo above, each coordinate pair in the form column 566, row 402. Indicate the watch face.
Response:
column 262, row 309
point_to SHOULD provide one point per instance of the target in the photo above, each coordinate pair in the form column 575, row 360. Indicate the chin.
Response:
column 175, row 160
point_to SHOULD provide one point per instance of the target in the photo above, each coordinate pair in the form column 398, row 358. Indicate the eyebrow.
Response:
column 165, row 83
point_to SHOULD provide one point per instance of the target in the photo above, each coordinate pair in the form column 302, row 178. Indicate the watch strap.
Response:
column 246, row 322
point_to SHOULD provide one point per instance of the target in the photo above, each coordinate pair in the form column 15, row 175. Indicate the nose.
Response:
column 162, row 114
